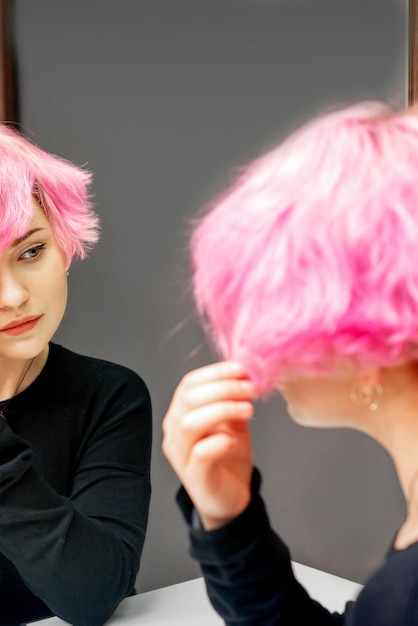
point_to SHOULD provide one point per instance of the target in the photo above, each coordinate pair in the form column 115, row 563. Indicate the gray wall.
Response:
column 163, row 99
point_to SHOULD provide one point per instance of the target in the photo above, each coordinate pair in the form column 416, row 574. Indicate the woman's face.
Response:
column 33, row 291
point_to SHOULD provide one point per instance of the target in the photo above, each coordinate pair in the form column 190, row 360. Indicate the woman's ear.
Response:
column 367, row 389
column 370, row 378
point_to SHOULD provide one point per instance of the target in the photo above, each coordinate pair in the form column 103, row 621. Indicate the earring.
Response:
column 367, row 397
column 68, row 273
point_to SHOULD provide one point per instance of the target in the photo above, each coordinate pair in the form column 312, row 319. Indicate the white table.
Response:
column 186, row 604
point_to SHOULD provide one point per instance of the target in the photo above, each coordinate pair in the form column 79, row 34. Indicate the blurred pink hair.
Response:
column 61, row 188
column 310, row 260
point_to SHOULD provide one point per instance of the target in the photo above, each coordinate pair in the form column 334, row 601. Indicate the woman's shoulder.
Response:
column 87, row 369
column 391, row 592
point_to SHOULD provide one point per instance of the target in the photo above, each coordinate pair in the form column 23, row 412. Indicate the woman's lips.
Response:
column 18, row 327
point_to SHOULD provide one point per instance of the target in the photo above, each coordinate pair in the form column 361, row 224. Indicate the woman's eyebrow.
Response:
column 21, row 239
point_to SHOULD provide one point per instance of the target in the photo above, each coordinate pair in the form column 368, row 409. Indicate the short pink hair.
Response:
column 310, row 260
column 60, row 187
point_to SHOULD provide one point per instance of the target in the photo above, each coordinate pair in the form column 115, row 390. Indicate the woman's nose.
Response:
column 13, row 293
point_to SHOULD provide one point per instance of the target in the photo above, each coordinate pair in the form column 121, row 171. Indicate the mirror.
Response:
column 163, row 100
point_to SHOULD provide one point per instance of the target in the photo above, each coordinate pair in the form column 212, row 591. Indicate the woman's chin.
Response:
column 303, row 417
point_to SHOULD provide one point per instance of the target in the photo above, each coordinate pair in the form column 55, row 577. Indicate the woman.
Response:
column 75, row 431
column 306, row 274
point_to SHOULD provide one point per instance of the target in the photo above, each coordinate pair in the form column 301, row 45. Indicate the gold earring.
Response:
column 367, row 397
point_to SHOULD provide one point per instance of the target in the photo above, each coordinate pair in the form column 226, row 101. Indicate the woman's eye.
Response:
column 32, row 253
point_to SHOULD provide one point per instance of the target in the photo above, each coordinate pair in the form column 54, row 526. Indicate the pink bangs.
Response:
column 311, row 258
column 61, row 188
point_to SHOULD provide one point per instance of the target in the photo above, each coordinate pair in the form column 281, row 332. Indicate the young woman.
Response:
column 306, row 274
column 75, row 431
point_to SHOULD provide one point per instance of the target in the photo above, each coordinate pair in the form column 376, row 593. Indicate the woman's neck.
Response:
column 395, row 426
column 17, row 375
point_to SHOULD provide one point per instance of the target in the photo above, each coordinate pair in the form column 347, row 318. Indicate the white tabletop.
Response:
column 186, row 604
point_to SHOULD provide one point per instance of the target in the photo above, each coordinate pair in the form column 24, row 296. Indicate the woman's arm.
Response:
column 248, row 571
column 246, row 566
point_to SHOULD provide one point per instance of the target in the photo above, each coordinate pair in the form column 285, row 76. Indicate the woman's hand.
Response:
column 207, row 441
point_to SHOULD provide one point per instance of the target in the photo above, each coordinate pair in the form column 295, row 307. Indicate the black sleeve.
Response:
column 248, row 572
column 81, row 554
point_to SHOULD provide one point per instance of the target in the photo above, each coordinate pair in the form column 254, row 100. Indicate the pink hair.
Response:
column 61, row 188
column 310, row 260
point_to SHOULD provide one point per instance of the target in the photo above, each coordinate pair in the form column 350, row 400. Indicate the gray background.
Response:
column 163, row 100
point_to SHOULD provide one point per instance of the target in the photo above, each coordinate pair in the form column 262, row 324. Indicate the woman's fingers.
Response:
column 211, row 415
column 181, row 436
column 214, row 371
column 215, row 447
column 213, row 383
column 215, row 391
column 213, row 400
column 206, row 397
column 206, row 438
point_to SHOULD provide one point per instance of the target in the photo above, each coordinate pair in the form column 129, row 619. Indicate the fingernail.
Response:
column 245, row 408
